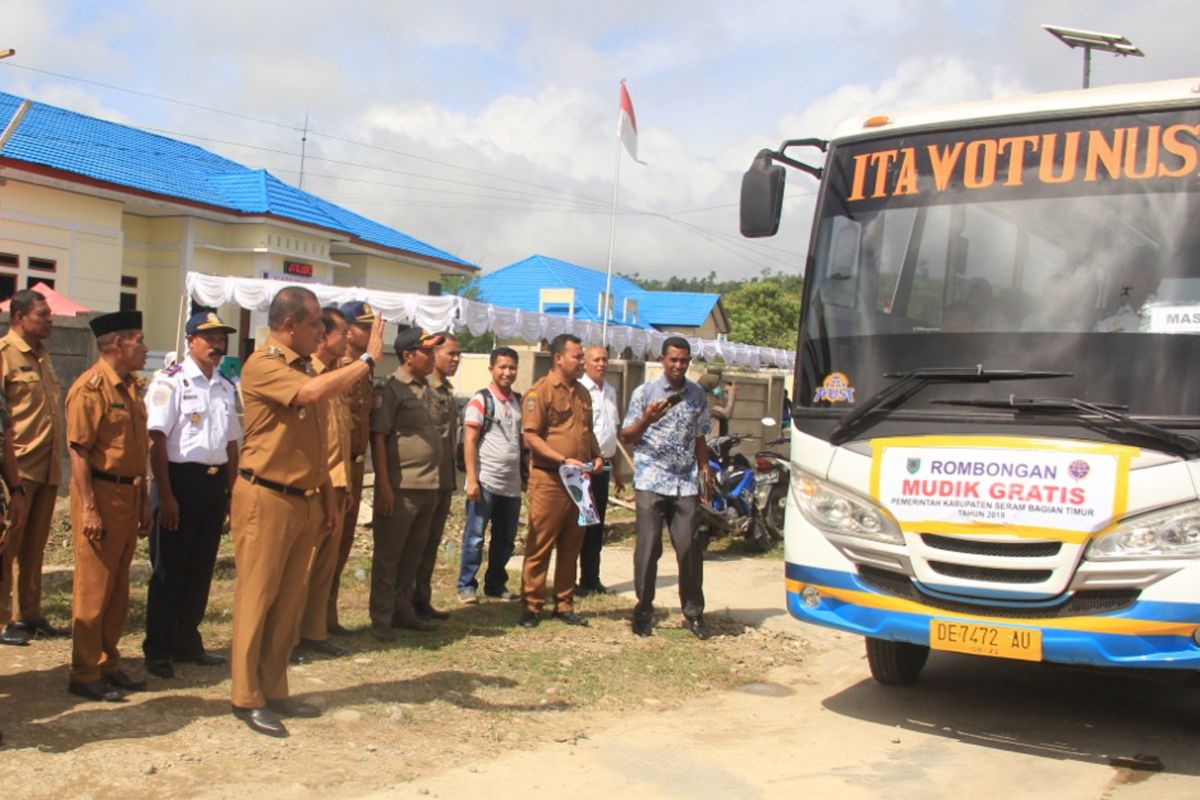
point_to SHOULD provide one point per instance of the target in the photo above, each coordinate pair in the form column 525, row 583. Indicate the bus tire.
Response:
column 895, row 663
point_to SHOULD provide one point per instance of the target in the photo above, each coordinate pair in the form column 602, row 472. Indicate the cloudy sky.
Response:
column 487, row 128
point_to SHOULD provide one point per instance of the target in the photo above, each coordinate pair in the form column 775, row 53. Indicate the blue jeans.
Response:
column 504, row 514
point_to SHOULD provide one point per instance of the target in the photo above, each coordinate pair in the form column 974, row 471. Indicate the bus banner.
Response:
column 1031, row 487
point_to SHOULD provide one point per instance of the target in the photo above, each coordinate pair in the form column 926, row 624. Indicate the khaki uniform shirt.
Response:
column 106, row 417
column 404, row 412
column 358, row 404
column 562, row 415
column 445, row 409
column 34, row 399
column 283, row 441
column 336, row 422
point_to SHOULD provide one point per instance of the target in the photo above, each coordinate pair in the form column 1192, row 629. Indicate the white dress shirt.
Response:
column 198, row 416
column 605, row 415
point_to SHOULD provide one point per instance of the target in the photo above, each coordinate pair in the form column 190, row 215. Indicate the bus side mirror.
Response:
column 762, row 197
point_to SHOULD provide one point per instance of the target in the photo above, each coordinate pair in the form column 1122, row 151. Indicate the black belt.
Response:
column 196, row 466
column 275, row 487
column 123, row 480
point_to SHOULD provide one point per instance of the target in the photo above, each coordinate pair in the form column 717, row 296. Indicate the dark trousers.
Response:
column 183, row 561
column 593, row 535
column 679, row 514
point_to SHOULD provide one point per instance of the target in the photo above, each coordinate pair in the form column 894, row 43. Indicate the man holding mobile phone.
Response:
column 666, row 424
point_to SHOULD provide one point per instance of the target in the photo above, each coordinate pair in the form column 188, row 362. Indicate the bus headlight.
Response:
column 834, row 510
column 1174, row 533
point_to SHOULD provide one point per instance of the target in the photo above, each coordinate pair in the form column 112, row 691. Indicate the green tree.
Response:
column 764, row 311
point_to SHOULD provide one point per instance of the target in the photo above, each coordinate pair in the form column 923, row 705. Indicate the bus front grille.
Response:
column 1083, row 602
column 984, row 547
column 973, row 573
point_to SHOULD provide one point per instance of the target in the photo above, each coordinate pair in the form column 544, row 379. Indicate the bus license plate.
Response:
column 985, row 640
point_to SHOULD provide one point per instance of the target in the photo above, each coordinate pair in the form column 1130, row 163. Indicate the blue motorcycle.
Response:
column 731, row 509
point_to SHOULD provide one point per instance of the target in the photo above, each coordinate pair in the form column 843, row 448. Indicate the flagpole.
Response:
column 612, row 235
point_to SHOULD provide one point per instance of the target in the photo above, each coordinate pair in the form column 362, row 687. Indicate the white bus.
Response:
column 996, row 421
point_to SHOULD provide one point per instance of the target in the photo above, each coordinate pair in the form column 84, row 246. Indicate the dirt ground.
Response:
column 475, row 690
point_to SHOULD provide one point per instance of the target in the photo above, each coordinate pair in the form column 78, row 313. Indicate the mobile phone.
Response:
column 674, row 399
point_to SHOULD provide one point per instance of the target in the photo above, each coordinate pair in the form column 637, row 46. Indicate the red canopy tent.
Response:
column 60, row 304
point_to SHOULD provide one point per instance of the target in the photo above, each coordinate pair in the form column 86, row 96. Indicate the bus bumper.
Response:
column 1148, row 634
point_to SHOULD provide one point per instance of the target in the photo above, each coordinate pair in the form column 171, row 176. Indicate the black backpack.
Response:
column 489, row 416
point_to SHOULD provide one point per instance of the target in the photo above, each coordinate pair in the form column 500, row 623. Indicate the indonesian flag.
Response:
column 627, row 126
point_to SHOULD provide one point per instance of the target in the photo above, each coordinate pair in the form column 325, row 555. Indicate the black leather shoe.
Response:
column 297, row 658
column 294, row 708
column 529, row 619
column 698, row 628
column 262, row 720
column 96, row 690
column 42, row 629
column 414, row 623
column 571, row 618
column 337, row 629
column 160, row 668
column 642, row 627
column 122, row 681
column 430, row 612
column 324, row 647
column 14, row 636
column 204, row 659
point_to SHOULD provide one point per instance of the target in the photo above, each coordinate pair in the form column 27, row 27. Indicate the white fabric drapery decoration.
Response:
column 451, row 312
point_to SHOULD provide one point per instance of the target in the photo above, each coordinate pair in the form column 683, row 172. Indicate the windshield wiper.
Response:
column 910, row 383
column 1109, row 417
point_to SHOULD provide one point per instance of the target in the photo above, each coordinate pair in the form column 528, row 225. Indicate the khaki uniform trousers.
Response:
column 21, row 561
column 399, row 542
column 346, row 542
column 553, row 524
column 314, row 620
column 423, row 593
column 100, row 593
column 273, row 536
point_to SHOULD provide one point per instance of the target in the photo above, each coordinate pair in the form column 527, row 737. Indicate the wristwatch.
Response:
column 366, row 359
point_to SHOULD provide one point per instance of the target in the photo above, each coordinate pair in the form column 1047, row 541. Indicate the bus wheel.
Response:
column 895, row 663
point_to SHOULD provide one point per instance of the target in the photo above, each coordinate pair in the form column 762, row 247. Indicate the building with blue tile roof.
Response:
column 114, row 217
column 541, row 283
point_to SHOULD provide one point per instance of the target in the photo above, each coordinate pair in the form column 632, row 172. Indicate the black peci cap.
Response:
column 116, row 321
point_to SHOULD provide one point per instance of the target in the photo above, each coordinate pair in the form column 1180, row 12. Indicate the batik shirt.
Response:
column 664, row 461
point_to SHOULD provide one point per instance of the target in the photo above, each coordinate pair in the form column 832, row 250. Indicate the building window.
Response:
column 30, row 280
column 9, row 260
column 128, row 301
column 435, row 289
column 42, row 264
column 129, row 282
column 8, row 285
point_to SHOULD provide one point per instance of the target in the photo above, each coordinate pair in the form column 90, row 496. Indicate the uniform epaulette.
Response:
column 5, row 343
column 95, row 381
column 172, row 370
column 273, row 351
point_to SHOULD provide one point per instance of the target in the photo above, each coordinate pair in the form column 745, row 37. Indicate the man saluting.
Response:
column 277, row 514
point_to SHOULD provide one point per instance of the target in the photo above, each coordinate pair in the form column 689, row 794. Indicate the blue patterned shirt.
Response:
column 664, row 461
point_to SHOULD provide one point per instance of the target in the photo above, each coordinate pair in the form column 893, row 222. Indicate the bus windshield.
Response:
column 1066, row 245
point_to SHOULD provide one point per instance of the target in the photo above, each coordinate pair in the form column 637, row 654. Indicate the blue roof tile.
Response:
column 518, row 286
column 136, row 159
